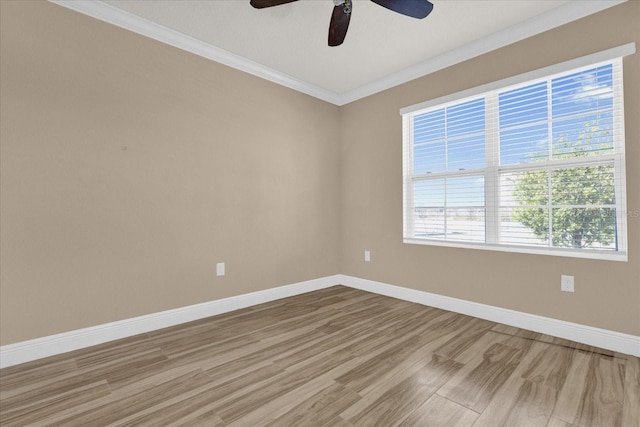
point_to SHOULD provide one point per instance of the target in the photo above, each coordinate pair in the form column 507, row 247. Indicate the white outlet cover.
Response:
column 566, row 283
column 220, row 269
column 367, row 256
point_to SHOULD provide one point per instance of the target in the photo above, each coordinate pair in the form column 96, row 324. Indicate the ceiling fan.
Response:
column 342, row 13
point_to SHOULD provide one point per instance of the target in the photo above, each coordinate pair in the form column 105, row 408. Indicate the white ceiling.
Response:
column 287, row 44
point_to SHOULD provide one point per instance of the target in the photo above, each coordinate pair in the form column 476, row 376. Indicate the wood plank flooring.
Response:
column 337, row 357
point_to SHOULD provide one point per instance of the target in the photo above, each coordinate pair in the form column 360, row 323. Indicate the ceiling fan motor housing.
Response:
column 347, row 5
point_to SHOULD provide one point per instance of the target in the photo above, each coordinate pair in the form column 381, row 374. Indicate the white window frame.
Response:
column 492, row 170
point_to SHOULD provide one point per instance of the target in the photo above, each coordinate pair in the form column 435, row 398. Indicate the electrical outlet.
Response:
column 367, row 256
column 566, row 283
column 220, row 269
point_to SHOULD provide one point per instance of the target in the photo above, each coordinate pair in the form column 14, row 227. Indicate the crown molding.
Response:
column 570, row 12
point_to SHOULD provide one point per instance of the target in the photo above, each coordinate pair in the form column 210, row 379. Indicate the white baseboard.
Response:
column 38, row 348
column 610, row 340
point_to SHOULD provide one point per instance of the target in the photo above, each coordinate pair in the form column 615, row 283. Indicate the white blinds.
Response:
column 534, row 164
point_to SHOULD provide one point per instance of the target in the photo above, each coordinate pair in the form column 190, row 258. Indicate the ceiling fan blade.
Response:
column 260, row 4
column 414, row 8
column 339, row 23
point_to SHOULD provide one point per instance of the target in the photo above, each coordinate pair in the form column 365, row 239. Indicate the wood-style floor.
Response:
column 335, row 357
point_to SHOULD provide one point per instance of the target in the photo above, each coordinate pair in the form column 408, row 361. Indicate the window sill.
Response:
column 571, row 253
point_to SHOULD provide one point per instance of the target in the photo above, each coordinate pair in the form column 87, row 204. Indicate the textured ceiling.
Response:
column 382, row 48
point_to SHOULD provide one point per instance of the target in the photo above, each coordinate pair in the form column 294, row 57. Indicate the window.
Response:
column 531, row 164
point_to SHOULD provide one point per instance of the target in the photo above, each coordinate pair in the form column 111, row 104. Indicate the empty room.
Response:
column 320, row 213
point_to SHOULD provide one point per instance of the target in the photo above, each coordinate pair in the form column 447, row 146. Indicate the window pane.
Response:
column 586, row 91
column 466, row 224
column 428, row 193
column 450, row 139
column 526, row 188
column 524, row 215
column 466, row 153
column 428, row 215
column 583, row 136
column 524, row 226
column 429, row 208
column 465, row 118
column 429, row 157
column 465, row 209
column 429, row 127
column 465, row 191
column 584, row 228
column 523, row 105
column 585, row 185
column 429, row 223
column 451, row 208
column 524, row 145
column 524, row 212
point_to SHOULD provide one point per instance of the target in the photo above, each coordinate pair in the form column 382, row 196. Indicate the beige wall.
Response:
column 129, row 168
column 607, row 293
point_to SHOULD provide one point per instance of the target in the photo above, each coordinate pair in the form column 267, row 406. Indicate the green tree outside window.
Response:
column 582, row 198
